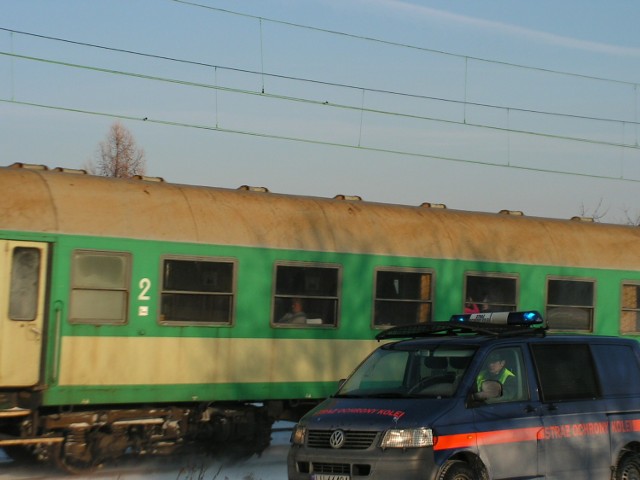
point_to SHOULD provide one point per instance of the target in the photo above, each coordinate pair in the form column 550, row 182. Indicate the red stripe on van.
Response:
column 495, row 437
column 462, row 440
column 508, row 436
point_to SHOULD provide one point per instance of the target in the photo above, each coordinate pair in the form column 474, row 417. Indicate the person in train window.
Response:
column 471, row 306
column 296, row 315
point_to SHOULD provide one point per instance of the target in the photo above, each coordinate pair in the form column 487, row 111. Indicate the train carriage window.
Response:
column 25, row 280
column 306, row 295
column 630, row 315
column 197, row 291
column 402, row 296
column 570, row 304
column 99, row 287
column 490, row 292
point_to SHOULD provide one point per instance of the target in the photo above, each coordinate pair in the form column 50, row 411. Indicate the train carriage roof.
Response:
column 57, row 202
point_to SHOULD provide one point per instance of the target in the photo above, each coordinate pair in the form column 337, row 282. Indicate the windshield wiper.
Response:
column 347, row 395
column 387, row 395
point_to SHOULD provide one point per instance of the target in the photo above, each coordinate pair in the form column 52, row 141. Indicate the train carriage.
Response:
column 139, row 316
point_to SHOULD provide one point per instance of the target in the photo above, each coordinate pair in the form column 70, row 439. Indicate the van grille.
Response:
column 353, row 440
column 332, row 468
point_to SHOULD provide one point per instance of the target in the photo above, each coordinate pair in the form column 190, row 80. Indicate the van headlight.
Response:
column 408, row 438
column 298, row 434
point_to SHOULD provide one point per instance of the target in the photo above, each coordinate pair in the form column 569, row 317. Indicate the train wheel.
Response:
column 74, row 465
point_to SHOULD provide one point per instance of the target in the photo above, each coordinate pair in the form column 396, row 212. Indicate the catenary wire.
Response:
column 399, row 44
column 339, row 85
column 361, row 108
column 315, row 142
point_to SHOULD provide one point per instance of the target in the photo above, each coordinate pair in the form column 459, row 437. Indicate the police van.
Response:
column 482, row 396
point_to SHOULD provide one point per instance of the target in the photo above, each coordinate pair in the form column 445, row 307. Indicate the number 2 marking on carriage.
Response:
column 145, row 286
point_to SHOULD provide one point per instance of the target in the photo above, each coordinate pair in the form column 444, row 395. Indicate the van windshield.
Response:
column 433, row 372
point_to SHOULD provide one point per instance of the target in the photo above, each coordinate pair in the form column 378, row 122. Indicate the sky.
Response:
column 483, row 106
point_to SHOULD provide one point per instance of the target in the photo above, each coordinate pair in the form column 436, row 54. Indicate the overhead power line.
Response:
column 315, row 142
column 324, row 104
column 400, row 44
column 326, row 83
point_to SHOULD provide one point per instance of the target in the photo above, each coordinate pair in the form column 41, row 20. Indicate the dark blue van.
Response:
column 482, row 396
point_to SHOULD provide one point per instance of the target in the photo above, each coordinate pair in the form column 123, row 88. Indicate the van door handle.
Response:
column 529, row 409
column 552, row 407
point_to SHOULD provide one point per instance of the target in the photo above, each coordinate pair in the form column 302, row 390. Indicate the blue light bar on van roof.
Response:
column 516, row 319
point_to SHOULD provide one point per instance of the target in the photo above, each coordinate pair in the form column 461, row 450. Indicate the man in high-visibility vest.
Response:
column 495, row 369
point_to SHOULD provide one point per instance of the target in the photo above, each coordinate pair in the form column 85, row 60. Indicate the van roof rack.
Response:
column 500, row 324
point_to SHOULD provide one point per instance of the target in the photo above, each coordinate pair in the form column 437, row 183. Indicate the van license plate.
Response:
column 329, row 477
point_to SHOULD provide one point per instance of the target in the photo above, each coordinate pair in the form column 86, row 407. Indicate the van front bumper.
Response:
column 373, row 464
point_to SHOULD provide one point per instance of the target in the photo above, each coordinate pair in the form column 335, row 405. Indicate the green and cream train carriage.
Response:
column 138, row 315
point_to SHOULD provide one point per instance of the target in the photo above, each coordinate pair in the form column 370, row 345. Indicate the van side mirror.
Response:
column 490, row 389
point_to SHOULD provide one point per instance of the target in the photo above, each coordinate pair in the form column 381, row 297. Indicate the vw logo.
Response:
column 336, row 440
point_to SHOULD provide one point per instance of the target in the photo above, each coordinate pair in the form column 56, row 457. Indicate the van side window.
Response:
column 618, row 368
column 565, row 372
column 505, row 365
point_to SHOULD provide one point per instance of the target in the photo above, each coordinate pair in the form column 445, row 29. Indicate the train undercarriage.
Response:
column 80, row 440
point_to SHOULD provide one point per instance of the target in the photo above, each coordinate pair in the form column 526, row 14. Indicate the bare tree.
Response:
column 118, row 155
column 632, row 218
column 597, row 214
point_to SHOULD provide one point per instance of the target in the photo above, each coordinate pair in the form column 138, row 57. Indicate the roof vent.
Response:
column 28, row 166
column 353, row 198
column 75, row 171
column 515, row 213
column 433, row 205
column 249, row 188
column 148, row 179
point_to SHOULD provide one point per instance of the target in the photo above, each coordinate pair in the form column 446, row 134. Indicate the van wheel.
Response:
column 629, row 467
column 457, row 470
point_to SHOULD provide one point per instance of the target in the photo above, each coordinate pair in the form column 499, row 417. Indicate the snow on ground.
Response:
column 271, row 465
